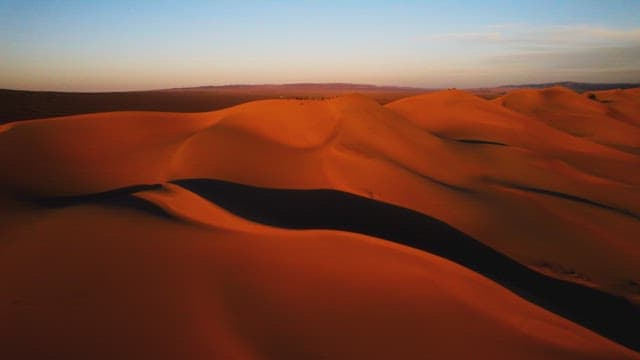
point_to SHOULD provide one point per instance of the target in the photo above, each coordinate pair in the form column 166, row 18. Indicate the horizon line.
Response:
column 346, row 84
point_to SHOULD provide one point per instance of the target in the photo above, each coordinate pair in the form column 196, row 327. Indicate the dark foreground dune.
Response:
column 611, row 316
column 449, row 227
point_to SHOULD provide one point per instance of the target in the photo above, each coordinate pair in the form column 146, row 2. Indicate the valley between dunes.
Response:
column 440, row 225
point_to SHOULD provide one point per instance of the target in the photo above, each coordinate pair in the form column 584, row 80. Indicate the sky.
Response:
column 78, row 45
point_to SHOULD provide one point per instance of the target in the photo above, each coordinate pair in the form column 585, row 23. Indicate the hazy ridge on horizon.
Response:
column 573, row 85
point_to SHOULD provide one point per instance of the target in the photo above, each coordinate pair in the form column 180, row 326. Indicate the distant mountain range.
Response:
column 25, row 104
column 305, row 86
column 575, row 86
column 350, row 87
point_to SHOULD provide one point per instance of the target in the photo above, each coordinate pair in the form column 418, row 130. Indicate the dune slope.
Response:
column 99, row 280
column 529, row 186
column 568, row 111
column 551, row 201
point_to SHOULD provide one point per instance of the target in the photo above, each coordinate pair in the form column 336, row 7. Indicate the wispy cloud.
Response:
column 590, row 34
column 521, row 53
column 594, row 59
column 494, row 36
column 568, row 36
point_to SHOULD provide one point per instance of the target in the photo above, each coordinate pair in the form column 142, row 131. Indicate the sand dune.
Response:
column 623, row 104
column 24, row 105
column 125, row 284
column 566, row 110
column 548, row 178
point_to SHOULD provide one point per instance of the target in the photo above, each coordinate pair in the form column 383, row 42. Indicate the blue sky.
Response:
column 124, row 45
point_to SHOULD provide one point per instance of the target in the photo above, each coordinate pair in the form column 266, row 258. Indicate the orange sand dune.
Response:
column 92, row 281
column 623, row 104
column 556, row 189
column 568, row 111
column 541, row 202
column 24, row 105
column 448, row 114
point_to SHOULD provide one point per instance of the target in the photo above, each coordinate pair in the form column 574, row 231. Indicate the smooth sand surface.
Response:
column 577, row 115
column 529, row 183
column 92, row 281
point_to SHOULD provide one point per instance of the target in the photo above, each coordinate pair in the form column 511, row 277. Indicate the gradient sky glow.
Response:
column 123, row 45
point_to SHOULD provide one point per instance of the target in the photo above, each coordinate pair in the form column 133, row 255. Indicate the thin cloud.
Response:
column 504, row 26
column 493, row 36
column 592, row 34
column 570, row 36
column 596, row 59
column 578, row 37
column 523, row 52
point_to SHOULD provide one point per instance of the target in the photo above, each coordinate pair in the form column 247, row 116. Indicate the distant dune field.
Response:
column 25, row 105
column 388, row 223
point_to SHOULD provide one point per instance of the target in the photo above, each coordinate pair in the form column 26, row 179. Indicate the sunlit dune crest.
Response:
column 548, row 177
column 577, row 115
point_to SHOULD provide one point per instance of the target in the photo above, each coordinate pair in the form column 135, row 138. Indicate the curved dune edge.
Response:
column 404, row 154
column 239, row 289
column 623, row 105
column 188, row 206
column 570, row 112
column 607, row 315
column 556, row 200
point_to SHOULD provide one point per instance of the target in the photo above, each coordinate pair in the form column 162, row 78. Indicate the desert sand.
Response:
column 24, row 105
column 548, row 178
